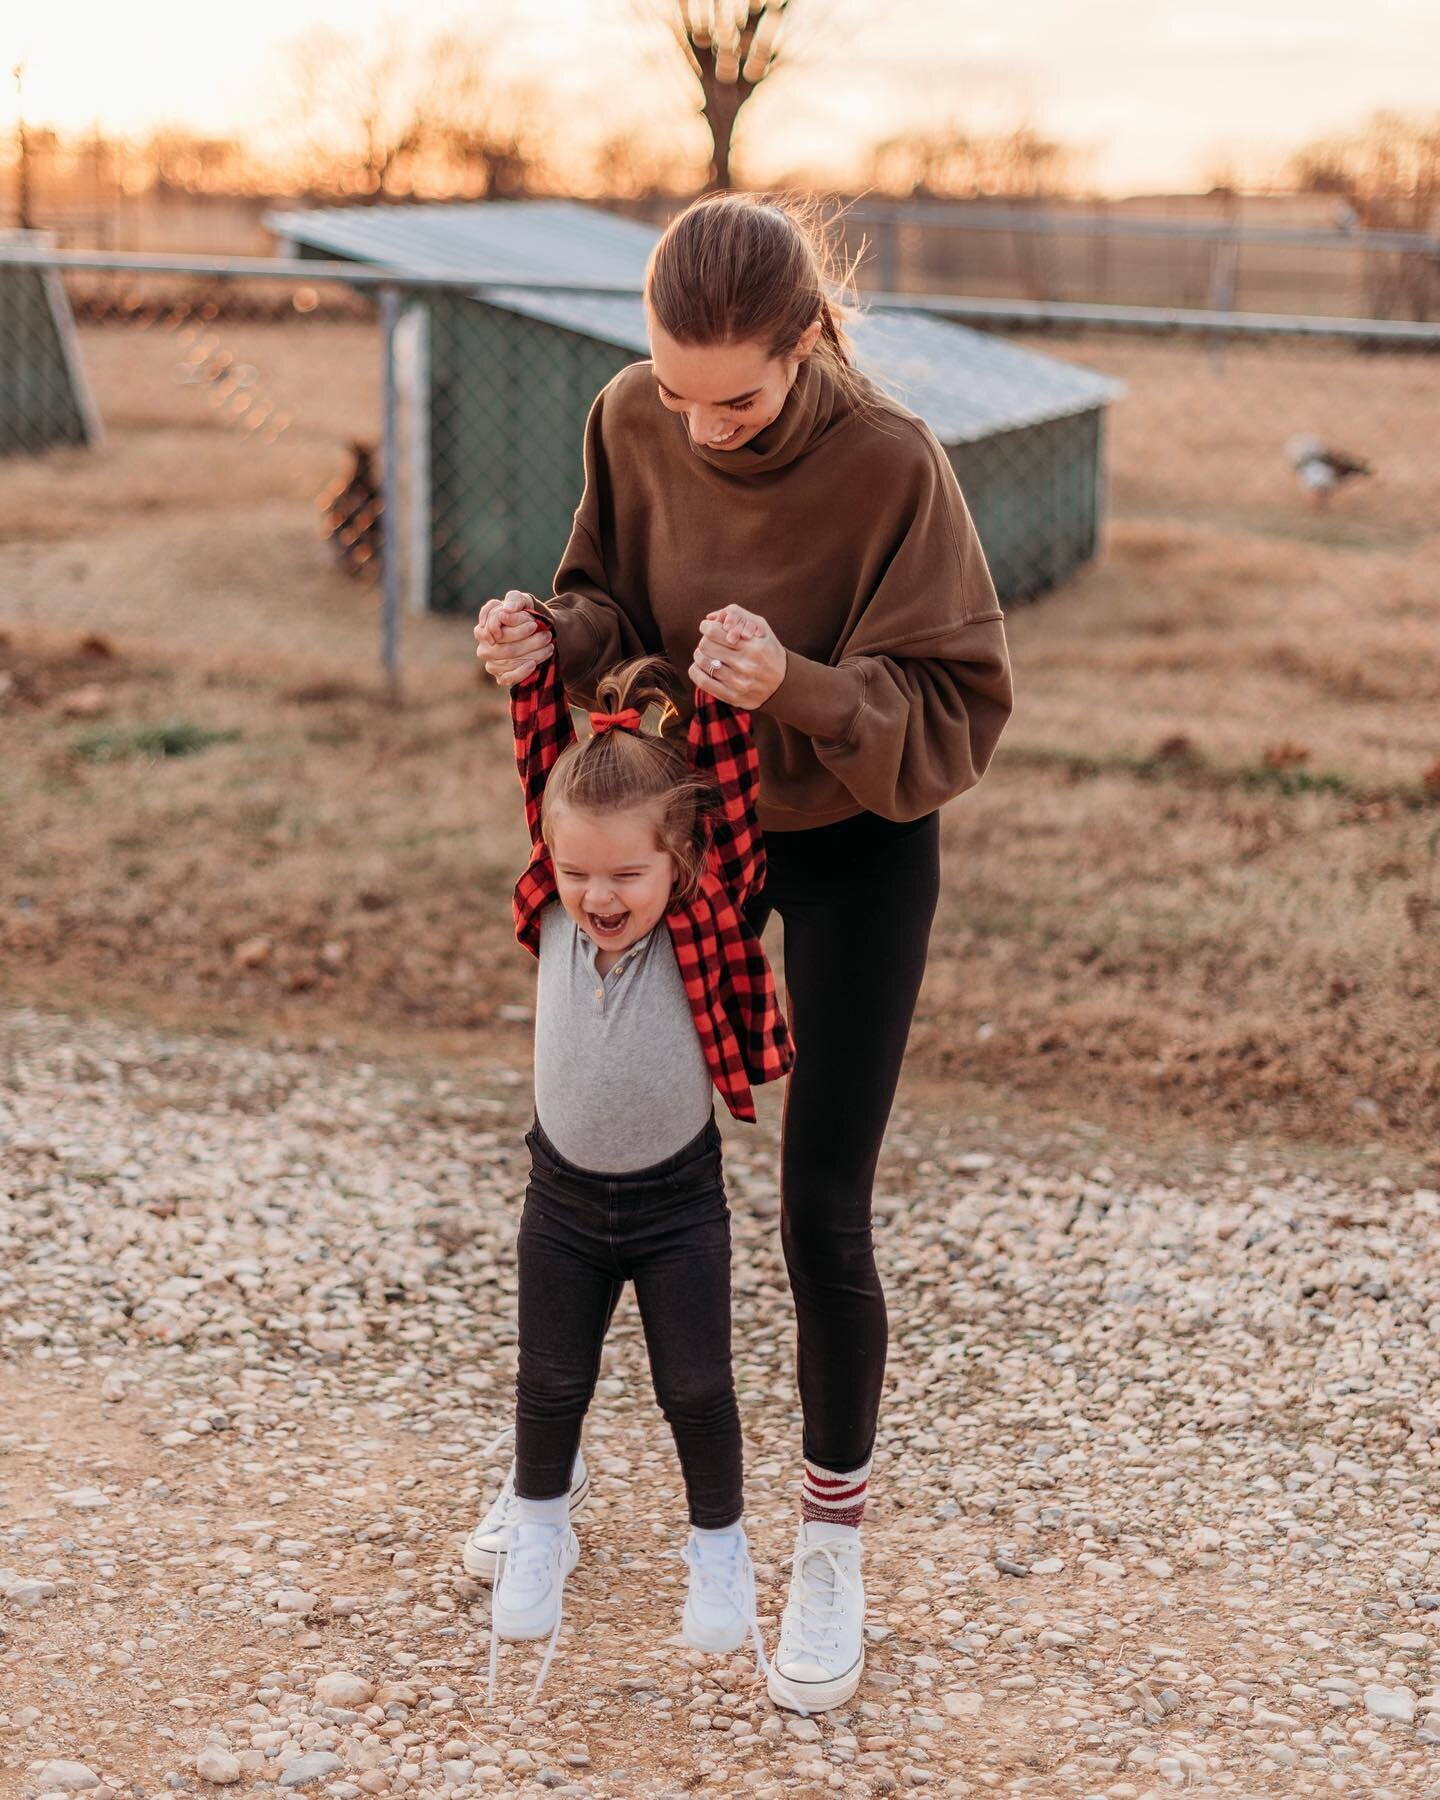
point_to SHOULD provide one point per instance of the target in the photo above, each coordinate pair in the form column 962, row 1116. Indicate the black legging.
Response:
column 856, row 900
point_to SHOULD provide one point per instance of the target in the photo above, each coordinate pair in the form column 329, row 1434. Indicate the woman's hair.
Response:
column 617, row 770
column 739, row 268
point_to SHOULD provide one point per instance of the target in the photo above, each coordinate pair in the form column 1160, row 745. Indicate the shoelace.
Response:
column 498, row 1439
column 537, row 1556
column 819, row 1598
column 506, row 1495
column 733, row 1583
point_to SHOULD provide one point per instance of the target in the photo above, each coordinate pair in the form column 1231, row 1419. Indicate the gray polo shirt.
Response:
column 620, row 1079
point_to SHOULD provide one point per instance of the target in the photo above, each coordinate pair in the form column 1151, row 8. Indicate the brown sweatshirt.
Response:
column 846, row 531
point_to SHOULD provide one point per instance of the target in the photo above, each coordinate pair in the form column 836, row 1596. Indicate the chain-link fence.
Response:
column 202, row 459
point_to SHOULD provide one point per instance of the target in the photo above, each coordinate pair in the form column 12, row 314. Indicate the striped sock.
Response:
column 838, row 1499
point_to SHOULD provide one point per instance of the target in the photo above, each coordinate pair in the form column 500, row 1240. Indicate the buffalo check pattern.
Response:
column 728, row 980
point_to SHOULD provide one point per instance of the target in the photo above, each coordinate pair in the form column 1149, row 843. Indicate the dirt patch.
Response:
column 1200, row 884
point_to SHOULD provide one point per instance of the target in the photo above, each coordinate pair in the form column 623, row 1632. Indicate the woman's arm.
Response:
column 593, row 629
column 910, row 710
column 905, row 732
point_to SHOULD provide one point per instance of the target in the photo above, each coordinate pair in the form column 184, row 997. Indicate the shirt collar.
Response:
column 590, row 950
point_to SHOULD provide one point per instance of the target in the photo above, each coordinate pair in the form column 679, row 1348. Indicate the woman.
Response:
column 750, row 464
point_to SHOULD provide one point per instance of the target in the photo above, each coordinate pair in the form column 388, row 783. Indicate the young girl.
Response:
column 652, row 991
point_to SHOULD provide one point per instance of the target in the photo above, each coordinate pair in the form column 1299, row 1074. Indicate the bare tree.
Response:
column 400, row 117
column 635, row 165
column 1386, row 178
column 23, row 205
column 731, row 47
column 362, row 103
column 1013, row 165
column 480, row 129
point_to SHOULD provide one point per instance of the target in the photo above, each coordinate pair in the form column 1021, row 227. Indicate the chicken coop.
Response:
column 496, row 381
column 44, row 397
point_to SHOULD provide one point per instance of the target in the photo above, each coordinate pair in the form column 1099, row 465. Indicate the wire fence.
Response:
column 300, row 462
column 1318, row 259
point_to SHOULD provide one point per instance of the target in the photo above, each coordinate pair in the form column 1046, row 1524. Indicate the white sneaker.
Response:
column 720, row 1605
column 821, row 1654
column 527, row 1599
column 491, row 1536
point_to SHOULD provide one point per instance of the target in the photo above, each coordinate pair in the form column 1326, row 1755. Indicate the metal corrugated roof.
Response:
column 965, row 384
column 524, row 238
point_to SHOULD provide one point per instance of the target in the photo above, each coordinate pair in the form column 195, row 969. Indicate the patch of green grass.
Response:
column 1190, row 767
column 176, row 738
column 1302, row 781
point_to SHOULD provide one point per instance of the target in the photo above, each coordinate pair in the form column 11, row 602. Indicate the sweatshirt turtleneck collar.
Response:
column 813, row 407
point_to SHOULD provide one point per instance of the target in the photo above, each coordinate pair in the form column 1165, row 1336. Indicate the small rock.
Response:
column 343, row 1689
column 25, row 1594
column 963, row 1706
column 293, row 1600
column 314, row 1767
column 805, row 1729
column 219, row 1766
column 67, row 1778
column 86, row 702
column 1390, row 1703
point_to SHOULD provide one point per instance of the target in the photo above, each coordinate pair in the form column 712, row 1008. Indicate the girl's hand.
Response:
column 511, row 643
column 751, row 657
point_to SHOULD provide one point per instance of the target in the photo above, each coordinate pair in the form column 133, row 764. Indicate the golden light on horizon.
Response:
column 1146, row 98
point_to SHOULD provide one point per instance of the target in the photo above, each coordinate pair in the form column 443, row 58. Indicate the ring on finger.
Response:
column 714, row 665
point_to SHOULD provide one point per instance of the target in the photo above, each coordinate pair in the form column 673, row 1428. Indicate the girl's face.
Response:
column 727, row 392
column 615, row 881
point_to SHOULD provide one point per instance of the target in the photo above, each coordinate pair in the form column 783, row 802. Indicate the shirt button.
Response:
column 600, row 993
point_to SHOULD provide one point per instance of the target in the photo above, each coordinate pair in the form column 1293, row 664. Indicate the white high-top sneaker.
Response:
column 527, row 1599
column 720, row 1604
column 821, row 1654
column 492, row 1535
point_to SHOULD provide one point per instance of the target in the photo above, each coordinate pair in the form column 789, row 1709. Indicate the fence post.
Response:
column 389, row 497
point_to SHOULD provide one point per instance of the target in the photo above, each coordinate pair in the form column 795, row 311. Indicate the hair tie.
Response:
column 628, row 720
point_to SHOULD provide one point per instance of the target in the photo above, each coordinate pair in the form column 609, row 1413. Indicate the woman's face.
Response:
column 727, row 392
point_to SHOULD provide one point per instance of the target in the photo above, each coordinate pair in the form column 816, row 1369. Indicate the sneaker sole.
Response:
column 813, row 1696
column 524, row 1634
column 481, row 1563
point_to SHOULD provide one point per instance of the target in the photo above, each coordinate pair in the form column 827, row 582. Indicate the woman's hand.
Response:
column 751, row 658
column 511, row 642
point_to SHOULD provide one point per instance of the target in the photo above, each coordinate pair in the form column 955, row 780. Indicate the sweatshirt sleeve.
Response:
column 908, row 712
column 593, row 630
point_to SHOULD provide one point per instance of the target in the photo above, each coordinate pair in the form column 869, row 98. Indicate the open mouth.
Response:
column 607, row 924
column 725, row 442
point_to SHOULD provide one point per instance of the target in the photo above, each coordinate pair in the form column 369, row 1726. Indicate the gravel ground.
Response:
column 1155, row 1499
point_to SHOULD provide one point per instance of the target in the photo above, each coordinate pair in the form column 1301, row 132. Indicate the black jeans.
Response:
column 582, row 1236
column 857, row 900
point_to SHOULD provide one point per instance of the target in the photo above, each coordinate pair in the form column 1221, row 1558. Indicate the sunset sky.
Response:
column 1152, row 95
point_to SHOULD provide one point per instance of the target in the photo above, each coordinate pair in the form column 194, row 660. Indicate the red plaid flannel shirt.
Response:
column 727, row 977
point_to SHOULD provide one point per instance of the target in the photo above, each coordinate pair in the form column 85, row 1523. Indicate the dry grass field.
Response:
column 1199, row 889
